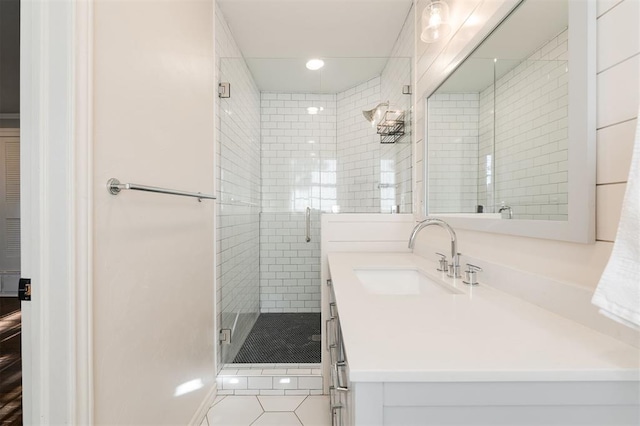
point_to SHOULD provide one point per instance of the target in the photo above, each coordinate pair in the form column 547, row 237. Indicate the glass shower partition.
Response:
column 238, row 225
column 292, row 148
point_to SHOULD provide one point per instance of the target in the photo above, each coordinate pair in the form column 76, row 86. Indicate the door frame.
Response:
column 56, row 210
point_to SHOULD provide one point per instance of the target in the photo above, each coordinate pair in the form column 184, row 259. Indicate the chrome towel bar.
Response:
column 114, row 187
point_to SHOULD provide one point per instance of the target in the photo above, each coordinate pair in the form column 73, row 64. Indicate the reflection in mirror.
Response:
column 497, row 128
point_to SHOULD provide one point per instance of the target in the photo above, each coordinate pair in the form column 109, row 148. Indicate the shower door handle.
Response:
column 308, row 220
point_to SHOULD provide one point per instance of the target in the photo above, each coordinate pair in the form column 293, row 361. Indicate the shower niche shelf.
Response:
column 391, row 128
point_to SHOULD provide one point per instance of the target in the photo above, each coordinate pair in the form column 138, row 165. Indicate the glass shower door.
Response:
column 238, row 227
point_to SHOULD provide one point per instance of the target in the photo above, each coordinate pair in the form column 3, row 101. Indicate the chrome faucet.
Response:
column 509, row 211
column 454, row 266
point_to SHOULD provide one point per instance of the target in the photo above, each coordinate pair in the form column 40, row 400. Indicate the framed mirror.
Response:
column 510, row 133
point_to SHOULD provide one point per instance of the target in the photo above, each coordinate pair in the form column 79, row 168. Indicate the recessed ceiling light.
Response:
column 313, row 110
column 315, row 64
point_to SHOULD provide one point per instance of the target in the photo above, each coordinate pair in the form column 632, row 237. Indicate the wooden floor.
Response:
column 10, row 362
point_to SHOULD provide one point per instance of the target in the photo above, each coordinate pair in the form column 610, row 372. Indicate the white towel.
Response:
column 618, row 292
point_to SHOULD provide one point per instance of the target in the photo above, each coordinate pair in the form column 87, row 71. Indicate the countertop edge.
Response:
column 494, row 376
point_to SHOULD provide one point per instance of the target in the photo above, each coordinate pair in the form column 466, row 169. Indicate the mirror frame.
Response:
column 580, row 226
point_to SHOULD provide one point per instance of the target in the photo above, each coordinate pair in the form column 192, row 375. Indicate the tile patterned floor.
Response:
column 269, row 410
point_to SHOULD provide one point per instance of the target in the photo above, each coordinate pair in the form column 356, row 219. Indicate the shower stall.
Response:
column 288, row 154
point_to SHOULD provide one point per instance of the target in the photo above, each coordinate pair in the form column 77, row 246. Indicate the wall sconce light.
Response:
column 435, row 21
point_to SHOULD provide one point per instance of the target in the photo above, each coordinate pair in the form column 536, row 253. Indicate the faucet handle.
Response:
column 471, row 273
column 443, row 264
column 473, row 268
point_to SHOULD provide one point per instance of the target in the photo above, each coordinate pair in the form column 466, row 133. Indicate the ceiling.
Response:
column 277, row 37
column 291, row 75
column 531, row 25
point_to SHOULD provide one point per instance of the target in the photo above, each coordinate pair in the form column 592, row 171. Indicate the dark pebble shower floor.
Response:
column 283, row 338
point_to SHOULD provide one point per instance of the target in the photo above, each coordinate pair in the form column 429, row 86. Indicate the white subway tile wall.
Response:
column 298, row 171
column 238, row 188
column 300, row 160
column 486, row 160
column 358, row 151
column 331, row 161
column 289, row 266
column 374, row 177
column 298, row 152
column 529, row 169
column 531, row 134
column 453, row 145
column 396, row 74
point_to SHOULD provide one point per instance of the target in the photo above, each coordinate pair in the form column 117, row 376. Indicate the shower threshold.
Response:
column 270, row 379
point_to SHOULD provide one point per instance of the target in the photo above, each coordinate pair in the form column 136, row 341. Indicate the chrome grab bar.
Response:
column 114, row 187
column 308, row 219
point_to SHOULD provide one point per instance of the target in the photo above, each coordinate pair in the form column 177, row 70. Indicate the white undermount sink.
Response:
column 405, row 281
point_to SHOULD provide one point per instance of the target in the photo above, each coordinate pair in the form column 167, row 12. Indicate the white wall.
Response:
column 153, row 271
column 239, row 189
column 618, row 79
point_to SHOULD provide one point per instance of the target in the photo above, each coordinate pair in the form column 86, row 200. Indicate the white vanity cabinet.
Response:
column 350, row 403
column 477, row 357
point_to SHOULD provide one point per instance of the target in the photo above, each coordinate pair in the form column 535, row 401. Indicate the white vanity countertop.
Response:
column 481, row 335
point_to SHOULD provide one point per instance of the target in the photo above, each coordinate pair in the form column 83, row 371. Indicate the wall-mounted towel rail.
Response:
column 114, row 187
